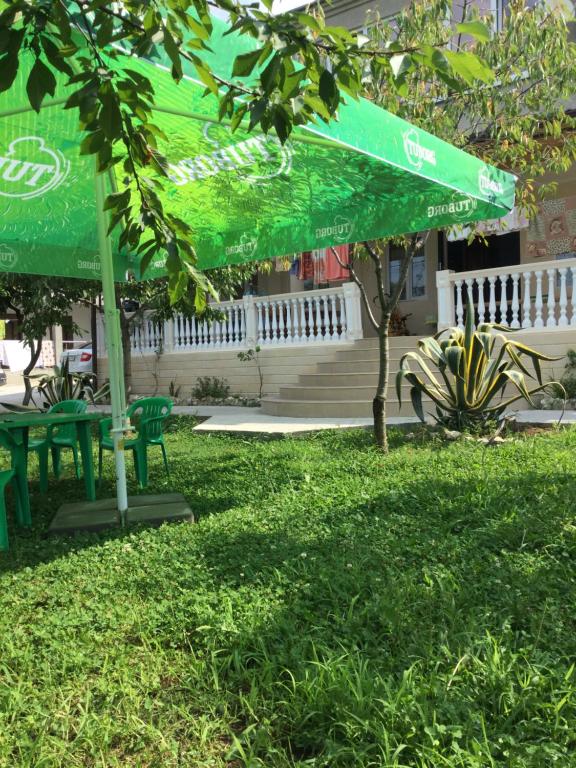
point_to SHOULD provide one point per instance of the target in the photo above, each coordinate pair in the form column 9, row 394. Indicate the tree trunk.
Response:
column 379, row 402
column 35, row 350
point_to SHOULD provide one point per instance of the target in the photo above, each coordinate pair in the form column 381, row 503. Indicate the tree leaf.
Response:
column 469, row 66
column 329, row 90
column 41, row 82
column 173, row 51
column 245, row 63
column 476, row 29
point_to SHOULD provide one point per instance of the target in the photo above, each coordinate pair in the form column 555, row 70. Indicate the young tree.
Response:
column 519, row 123
column 297, row 73
column 39, row 303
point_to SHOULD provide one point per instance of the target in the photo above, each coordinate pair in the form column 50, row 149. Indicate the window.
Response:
column 500, row 7
column 415, row 287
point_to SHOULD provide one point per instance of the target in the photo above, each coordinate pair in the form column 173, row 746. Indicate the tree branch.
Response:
column 358, row 282
column 384, row 302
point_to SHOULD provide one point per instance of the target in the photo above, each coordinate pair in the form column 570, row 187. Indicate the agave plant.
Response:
column 65, row 385
column 466, row 372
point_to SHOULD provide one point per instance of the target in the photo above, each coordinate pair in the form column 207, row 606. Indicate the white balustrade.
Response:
column 310, row 317
column 535, row 296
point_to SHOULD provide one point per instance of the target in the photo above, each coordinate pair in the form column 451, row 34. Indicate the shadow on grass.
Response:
column 427, row 612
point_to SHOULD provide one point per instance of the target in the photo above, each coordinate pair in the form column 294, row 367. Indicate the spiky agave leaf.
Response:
column 476, row 367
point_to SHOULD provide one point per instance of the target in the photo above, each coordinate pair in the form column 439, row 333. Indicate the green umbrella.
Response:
column 367, row 174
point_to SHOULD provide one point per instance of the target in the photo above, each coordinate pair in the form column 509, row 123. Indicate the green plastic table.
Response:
column 20, row 423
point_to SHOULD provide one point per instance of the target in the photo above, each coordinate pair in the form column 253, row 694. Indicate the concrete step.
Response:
column 276, row 406
column 355, row 354
column 338, row 394
column 365, row 365
column 358, row 378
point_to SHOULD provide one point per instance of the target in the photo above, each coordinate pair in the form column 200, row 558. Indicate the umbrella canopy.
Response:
column 367, row 174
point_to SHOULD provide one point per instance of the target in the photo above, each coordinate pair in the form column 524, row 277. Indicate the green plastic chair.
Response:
column 16, row 476
column 58, row 436
column 149, row 415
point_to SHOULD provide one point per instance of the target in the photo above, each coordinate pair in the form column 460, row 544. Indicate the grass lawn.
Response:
column 332, row 607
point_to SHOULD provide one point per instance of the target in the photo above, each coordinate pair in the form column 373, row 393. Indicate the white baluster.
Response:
column 175, row 334
column 272, row 322
column 318, row 304
column 492, row 300
column 265, row 307
column 281, row 323
column 333, row 317
column 481, row 305
column 193, row 341
column 181, row 328
column 133, row 339
column 538, row 304
column 303, row 334
column 239, row 325
column 459, row 306
column 515, row 301
column 244, row 321
column 260, row 316
column 204, row 334
column 572, row 301
column 231, row 327
column 343, row 318
column 297, row 336
column 503, row 301
column 563, row 319
column 551, row 314
column 146, row 334
column 527, row 302
column 289, row 325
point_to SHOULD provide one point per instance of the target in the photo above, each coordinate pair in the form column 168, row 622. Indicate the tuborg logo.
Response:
column 29, row 168
column 341, row 230
column 258, row 158
column 8, row 258
column 488, row 185
column 246, row 247
column 458, row 207
column 417, row 154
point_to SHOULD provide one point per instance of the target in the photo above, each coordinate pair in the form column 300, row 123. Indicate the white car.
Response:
column 79, row 359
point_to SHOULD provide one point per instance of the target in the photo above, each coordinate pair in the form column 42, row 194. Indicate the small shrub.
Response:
column 567, row 386
column 211, row 388
column 174, row 390
column 254, row 355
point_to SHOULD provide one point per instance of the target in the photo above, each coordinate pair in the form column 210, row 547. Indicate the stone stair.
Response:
column 345, row 386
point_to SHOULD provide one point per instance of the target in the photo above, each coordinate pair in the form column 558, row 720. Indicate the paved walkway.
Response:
column 253, row 421
column 220, row 418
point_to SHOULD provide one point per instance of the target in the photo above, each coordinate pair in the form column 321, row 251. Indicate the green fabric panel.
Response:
column 366, row 175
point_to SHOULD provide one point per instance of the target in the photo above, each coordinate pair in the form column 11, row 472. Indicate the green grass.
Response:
column 332, row 607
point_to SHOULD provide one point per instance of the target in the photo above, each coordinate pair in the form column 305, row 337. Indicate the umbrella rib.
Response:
column 28, row 108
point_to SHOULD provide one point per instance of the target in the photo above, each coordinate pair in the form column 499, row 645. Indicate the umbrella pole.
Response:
column 114, row 348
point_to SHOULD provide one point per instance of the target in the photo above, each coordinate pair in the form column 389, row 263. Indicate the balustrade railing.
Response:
column 538, row 296
column 303, row 318
column 310, row 317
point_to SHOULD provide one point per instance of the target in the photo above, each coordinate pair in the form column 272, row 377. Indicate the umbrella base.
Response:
column 97, row 515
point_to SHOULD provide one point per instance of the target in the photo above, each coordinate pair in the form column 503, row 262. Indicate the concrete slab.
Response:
column 97, row 515
column 285, row 425
column 252, row 421
column 545, row 417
